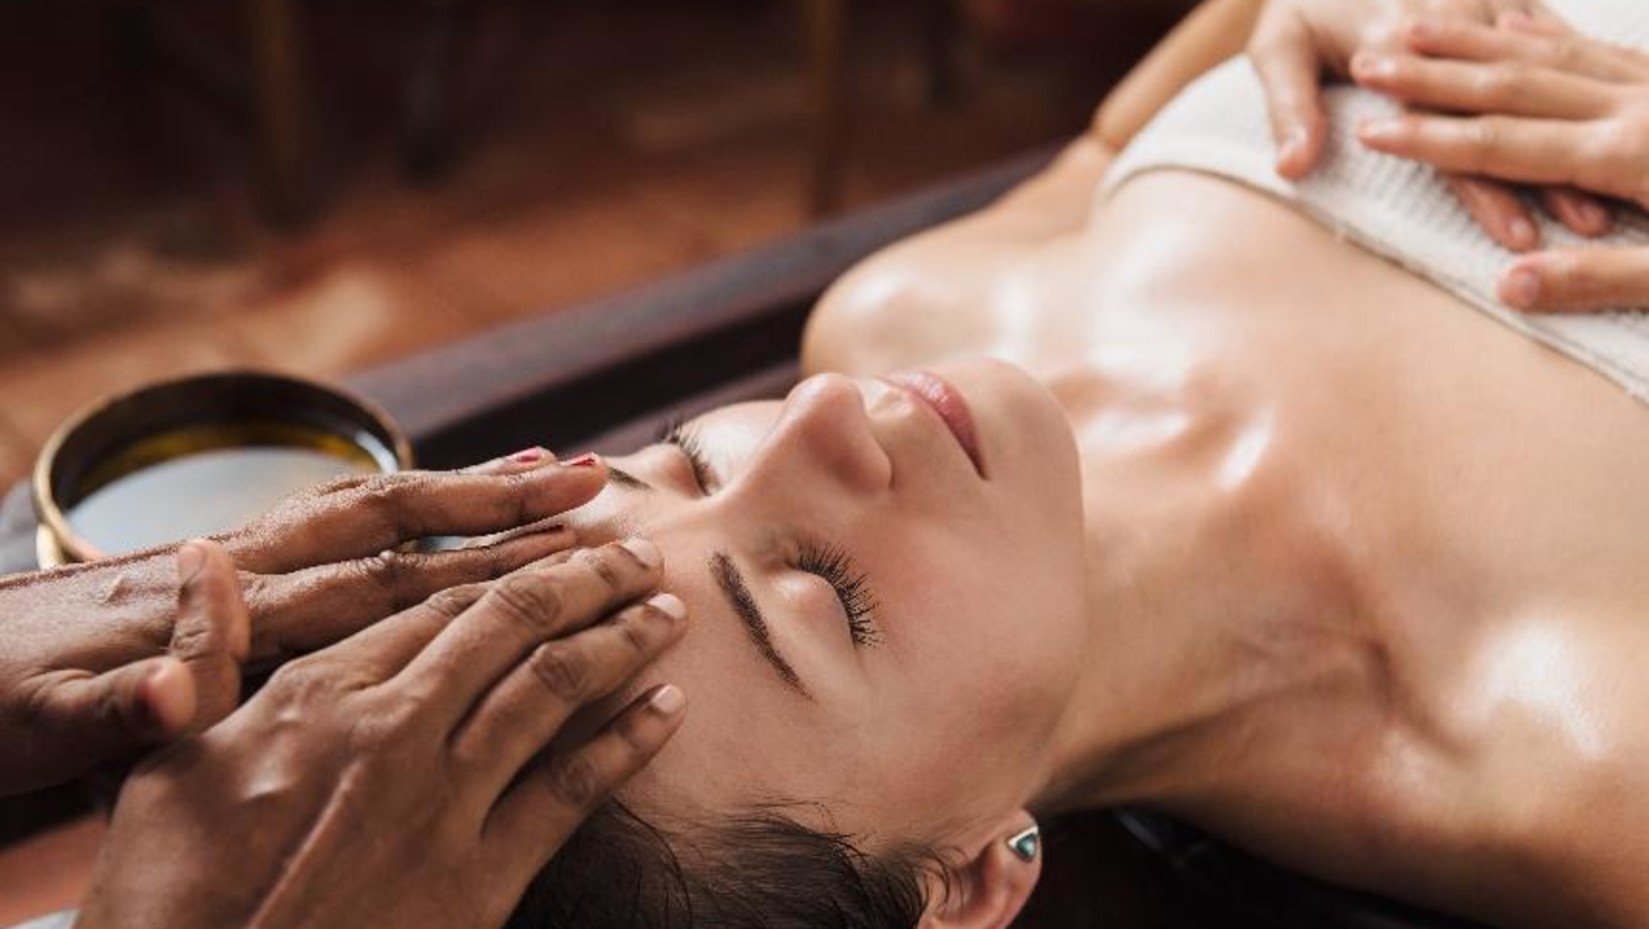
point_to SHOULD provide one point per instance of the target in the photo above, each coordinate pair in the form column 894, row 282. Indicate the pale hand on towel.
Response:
column 402, row 777
column 1296, row 41
column 1537, row 104
column 102, row 661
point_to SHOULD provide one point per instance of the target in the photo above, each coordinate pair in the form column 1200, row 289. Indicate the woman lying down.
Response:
column 1243, row 500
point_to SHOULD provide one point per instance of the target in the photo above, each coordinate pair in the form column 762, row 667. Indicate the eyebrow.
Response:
column 732, row 584
column 624, row 478
column 731, row 581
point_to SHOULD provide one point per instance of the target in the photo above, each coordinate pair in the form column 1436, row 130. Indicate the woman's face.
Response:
column 881, row 628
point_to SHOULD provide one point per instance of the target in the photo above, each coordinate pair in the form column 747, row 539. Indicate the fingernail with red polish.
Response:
column 528, row 456
column 582, row 461
column 1521, row 288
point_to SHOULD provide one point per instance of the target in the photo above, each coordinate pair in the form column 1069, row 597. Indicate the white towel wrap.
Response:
column 1399, row 209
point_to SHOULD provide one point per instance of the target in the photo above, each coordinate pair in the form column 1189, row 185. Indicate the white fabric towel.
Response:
column 1399, row 209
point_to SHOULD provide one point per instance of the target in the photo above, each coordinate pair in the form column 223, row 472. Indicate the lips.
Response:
column 952, row 409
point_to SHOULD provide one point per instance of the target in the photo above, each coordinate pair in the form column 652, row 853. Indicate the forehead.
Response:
column 747, row 738
column 716, row 656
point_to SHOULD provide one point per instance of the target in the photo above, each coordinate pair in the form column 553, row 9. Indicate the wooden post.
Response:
column 827, row 48
column 940, row 24
column 280, row 116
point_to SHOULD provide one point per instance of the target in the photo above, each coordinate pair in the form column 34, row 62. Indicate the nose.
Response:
column 824, row 429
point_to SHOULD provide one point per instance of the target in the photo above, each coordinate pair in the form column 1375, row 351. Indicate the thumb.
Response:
column 213, row 632
column 85, row 721
column 1578, row 281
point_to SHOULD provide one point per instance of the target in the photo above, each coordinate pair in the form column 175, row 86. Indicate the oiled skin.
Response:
column 1283, row 405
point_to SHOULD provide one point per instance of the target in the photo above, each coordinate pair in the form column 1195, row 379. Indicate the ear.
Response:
column 990, row 888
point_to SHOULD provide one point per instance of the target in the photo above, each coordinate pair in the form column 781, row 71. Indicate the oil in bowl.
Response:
column 202, row 480
column 198, row 456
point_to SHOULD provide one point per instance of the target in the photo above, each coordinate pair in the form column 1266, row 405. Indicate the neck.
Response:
column 1227, row 624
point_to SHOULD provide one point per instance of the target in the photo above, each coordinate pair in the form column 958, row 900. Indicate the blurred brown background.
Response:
column 317, row 187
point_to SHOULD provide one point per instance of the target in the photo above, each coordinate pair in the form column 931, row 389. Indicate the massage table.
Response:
column 604, row 376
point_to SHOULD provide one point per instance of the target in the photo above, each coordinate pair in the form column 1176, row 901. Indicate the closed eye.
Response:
column 691, row 447
column 852, row 589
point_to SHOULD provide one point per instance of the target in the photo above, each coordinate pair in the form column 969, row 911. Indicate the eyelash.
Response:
column 852, row 588
column 828, row 562
column 692, row 448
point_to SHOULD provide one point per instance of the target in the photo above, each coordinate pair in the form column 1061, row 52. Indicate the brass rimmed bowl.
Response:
column 197, row 456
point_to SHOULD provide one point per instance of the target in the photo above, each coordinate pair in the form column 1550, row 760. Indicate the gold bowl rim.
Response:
column 57, row 544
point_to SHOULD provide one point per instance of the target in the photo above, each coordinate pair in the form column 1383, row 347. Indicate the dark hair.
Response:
column 758, row 871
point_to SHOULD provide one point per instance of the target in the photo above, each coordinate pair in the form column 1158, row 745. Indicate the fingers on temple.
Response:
column 212, row 635
column 313, row 608
column 524, row 460
column 549, row 802
column 531, row 704
column 1579, row 281
column 357, row 517
column 519, row 613
column 1285, row 55
column 1581, row 212
column 385, row 648
column 1507, row 88
column 1498, row 209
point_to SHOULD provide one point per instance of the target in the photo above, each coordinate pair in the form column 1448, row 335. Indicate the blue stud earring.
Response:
column 1026, row 844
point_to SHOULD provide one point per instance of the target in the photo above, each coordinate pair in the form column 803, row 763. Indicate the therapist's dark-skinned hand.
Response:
column 101, row 661
column 401, row 777
column 1534, row 103
column 1296, row 42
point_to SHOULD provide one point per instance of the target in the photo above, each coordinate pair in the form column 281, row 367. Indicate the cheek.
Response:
column 984, row 612
column 992, row 653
